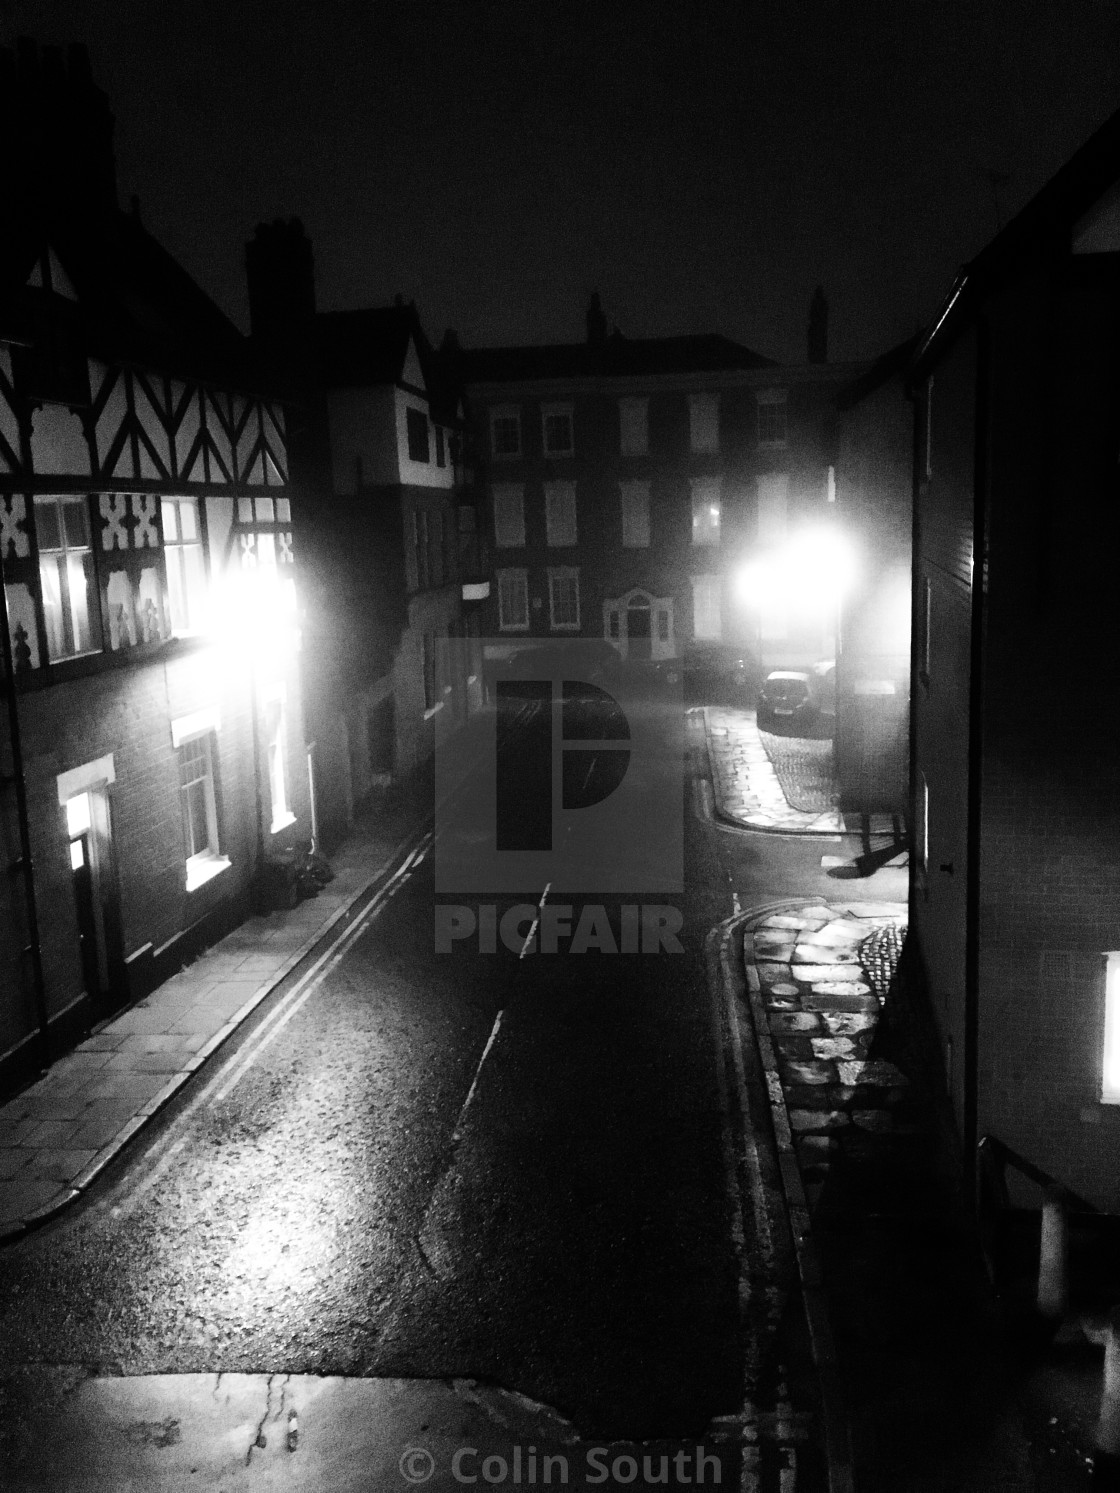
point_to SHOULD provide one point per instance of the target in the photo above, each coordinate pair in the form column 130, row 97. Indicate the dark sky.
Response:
column 703, row 164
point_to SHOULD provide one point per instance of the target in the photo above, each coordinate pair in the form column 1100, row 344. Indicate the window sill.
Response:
column 204, row 868
column 282, row 822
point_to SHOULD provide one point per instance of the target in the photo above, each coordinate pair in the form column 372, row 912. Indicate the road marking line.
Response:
column 536, row 921
column 457, row 1132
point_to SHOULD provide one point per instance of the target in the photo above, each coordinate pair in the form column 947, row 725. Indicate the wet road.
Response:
column 463, row 1163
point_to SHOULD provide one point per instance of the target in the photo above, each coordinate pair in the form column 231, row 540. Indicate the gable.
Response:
column 412, row 374
column 60, row 280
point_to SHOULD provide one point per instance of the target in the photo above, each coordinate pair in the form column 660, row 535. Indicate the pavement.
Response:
column 766, row 781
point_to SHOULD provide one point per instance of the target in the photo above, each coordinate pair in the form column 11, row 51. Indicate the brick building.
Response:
column 153, row 760
column 1016, row 892
column 632, row 481
column 387, row 532
column 874, row 481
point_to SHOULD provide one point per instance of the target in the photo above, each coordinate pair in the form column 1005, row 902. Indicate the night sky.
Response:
column 702, row 164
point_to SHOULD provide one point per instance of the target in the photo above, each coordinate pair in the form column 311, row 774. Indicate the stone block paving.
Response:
column 787, row 786
column 58, row 1134
column 823, row 973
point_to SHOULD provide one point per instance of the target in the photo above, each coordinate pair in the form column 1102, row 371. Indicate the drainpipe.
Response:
column 35, row 947
column 975, row 750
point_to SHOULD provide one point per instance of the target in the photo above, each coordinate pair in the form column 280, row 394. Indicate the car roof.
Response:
column 787, row 674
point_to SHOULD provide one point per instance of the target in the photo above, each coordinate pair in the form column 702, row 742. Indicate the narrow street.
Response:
column 505, row 1166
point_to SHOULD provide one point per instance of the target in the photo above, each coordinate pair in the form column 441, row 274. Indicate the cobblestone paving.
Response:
column 746, row 785
column 823, row 973
column 804, row 770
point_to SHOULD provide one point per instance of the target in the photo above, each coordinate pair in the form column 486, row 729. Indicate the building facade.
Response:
column 388, row 533
column 874, row 481
column 647, row 491
column 154, row 773
column 1016, row 888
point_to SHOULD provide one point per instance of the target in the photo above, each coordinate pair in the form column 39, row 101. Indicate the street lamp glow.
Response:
column 810, row 572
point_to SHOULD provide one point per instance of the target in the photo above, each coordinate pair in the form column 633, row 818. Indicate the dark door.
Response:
column 638, row 632
column 85, row 900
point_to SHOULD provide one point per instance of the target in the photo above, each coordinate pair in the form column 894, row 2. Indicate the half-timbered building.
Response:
column 153, row 763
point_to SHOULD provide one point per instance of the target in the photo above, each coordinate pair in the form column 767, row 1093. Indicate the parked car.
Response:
column 799, row 698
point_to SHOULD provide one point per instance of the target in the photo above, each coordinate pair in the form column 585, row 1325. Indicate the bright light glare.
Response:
column 255, row 613
column 1110, row 1080
column 812, row 570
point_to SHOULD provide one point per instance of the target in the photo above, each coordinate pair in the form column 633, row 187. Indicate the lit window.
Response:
column 633, row 421
column 703, row 422
column 635, row 515
column 558, row 436
column 922, row 847
column 925, row 617
column 1110, row 1069
column 705, row 510
column 186, row 567
column 772, row 417
column 505, row 431
column 66, row 577
column 560, row 512
column 563, row 598
column 706, row 609
column 513, row 600
column 416, row 424
column 199, row 807
column 509, row 516
column 275, row 734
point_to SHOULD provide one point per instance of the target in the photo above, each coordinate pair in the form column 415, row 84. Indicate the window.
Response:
column 706, row 619
column 509, row 516
column 513, row 600
column 563, row 597
column 199, row 809
column 1110, row 1067
column 275, row 734
column 66, row 577
column 557, row 425
column 705, row 510
column 922, row 847
column 560, row 512
column 186, row 567
column 420, row 547
column 633, row 422
column 505, row 431
column 703, row 422
column 929, row 429
column 925, row 616
column 773, row 506
column 416, row 422
column 772, row 417
column 441, row 451
column 635, row 515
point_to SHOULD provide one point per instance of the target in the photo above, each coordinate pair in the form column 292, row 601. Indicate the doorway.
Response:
column 87, row 827
column 639, row 631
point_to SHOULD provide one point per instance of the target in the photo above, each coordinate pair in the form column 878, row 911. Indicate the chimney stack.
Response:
column 280, row 268
column 58, row 129
column 596, row 322
column 818, row 327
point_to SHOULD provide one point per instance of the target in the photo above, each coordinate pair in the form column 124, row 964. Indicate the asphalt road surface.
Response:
column 457, row 1163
